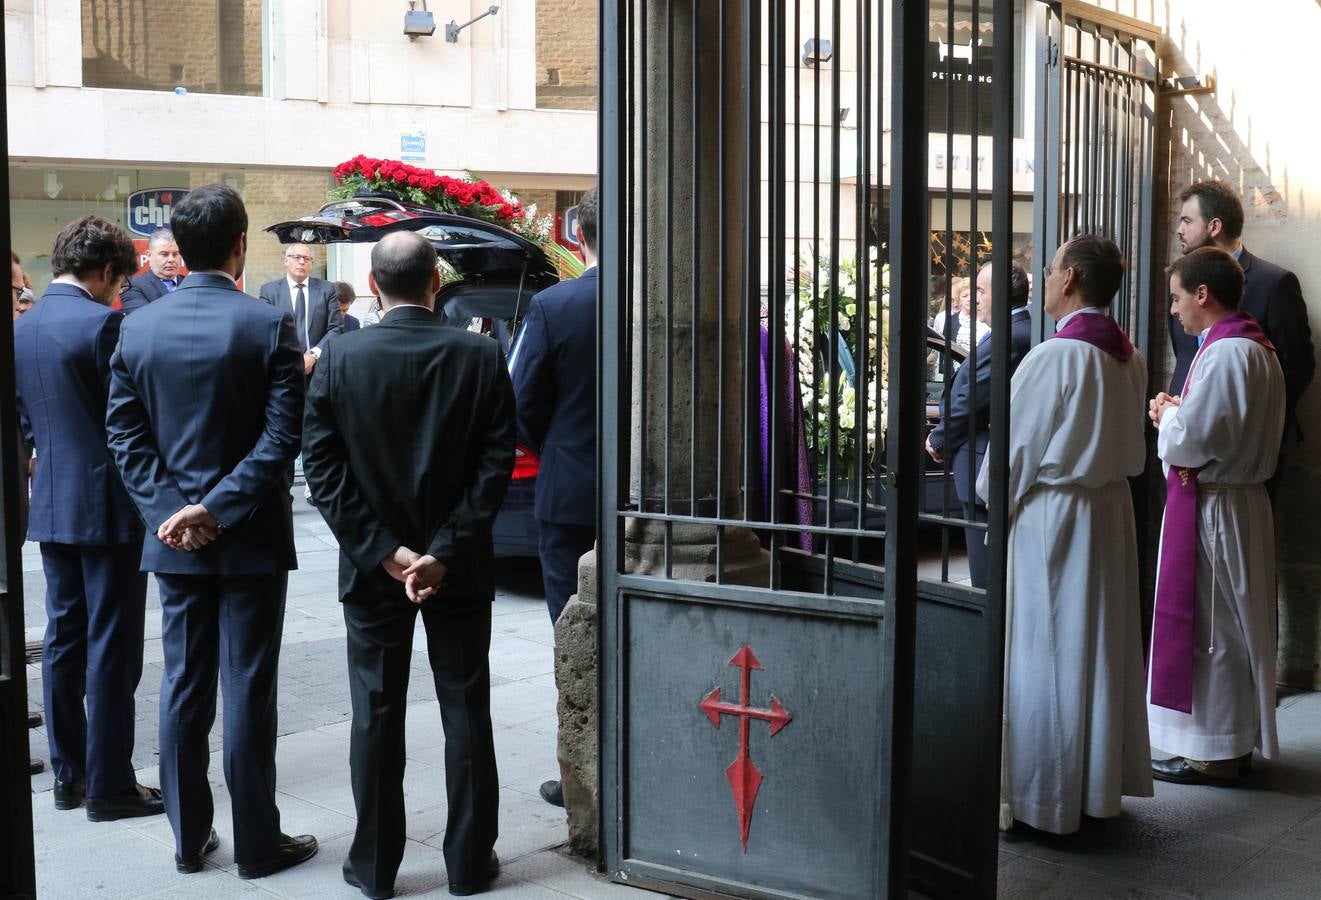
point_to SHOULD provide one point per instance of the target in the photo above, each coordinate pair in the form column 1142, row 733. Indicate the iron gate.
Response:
column 787, row 708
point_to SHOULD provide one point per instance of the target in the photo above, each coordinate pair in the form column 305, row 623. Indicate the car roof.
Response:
column 491, row 260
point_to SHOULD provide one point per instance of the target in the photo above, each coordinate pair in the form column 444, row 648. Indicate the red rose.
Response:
column 414, row 180
column 454, row 188
column 400, row 177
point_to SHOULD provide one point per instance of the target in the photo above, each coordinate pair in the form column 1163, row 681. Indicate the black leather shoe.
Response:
column 292, row 851
column 351, row 877
column 140, row 801
column 468, row 888
column 1178, row 771
column 36, row 766
column 34, row 720
column 68, row 794
column 553, row 793
column 187, row 865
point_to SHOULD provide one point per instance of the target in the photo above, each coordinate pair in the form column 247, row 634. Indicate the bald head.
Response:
column 404, row 270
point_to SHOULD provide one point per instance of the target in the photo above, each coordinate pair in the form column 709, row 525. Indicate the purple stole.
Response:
column 1101, row 332
column 1172, row 636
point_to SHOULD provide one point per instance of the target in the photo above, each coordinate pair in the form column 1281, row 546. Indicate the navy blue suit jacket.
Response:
column 553, row 367
column 324, row 319
column 142, row 289
column 950, row 437
column 62, row 350
column 206, row 405
column 1272, row 296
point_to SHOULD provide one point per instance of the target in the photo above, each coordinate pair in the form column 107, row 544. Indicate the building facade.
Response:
column 111, row 97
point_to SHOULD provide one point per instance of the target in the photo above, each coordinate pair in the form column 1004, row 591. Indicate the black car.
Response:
column 498, row 272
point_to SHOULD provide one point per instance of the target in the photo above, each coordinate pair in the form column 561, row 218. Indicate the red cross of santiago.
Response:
column 744, row 777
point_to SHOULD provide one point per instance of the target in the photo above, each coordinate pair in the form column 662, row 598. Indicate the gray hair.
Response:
column 161, row 236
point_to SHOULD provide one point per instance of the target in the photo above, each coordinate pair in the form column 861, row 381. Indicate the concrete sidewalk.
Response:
column 133, row 858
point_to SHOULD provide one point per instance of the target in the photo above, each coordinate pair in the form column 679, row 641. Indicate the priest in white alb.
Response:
column 1075, row 733
column 1212, row 679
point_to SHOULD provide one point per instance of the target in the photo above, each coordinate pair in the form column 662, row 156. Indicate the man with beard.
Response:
column 1212, row 216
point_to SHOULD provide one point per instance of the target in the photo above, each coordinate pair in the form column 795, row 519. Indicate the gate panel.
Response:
column 766, row 389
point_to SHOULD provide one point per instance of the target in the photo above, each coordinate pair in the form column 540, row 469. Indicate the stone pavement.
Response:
column 131, row 859
column 1259, row 841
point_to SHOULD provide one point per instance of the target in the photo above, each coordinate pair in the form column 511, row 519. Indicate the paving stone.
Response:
column 1274, row 875
column 1244, row 812
column 1021, row 878
column 519, row 702
column 96, row 866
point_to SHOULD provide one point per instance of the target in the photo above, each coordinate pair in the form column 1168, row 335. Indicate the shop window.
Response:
column 202, row 46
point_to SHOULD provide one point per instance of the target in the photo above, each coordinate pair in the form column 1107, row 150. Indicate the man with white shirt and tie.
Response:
column 311, row 301
column 162, row 275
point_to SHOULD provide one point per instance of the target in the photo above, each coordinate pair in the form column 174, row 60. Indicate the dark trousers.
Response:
column 380, row 650
column 226, row 628
column 976, row 540
column 560, row 546
column 95, row 608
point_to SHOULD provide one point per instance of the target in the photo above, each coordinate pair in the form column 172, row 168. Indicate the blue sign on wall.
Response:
column 150, row 209
column 413, row 145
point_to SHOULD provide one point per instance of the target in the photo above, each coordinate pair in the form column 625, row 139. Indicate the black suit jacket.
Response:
column 555, row 383
column 408, row 440
column 1272, row 296
column 142, row 289
column 206, row 404
column 324, row 318
column 950, row 436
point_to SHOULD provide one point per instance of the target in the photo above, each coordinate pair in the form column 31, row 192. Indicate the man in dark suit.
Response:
column 344, row 296
column 206, row 400
column 409, row 445
column 552, row 366
column 964, row 433
column 90, row 534
column 1211, row 215
column 162, row 276
column 310, row 301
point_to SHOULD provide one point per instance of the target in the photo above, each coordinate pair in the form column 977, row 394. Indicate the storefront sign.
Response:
column 150, row 210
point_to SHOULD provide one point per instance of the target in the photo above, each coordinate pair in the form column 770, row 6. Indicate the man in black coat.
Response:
column 206, row 402
column 965, row 431
column 312, row 302
column 162, row 277
column 1211, row 215
column 408, row 448
column 89, row 532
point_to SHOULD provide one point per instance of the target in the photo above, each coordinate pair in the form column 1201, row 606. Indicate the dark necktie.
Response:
column 169, row 285
column 300, row 317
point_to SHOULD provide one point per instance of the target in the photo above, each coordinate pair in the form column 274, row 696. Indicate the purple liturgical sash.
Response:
column 1101, row 332
column 1172, row 638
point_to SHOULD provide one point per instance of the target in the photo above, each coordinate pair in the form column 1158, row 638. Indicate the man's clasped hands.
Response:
column 193, row 527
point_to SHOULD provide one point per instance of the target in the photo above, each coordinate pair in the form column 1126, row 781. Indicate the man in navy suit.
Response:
column 1212, row 216
column 311, row 302
column 90, row 534
column 554, row 373
column 162, row 276
column 964, row 432
column 206, row 399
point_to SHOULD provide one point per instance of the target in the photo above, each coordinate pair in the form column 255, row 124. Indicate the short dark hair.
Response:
column 588, row 216
column 160, row 236
column 207, row 223
column 1099, row 266
column 1217, row 200
column 1216, row 269
column 88, row 244
column 403, row 264
column 345, row 292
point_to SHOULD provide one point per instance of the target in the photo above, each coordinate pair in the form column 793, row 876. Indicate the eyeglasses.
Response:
column 1046, row 270
column 298, row 256
column 18, row 291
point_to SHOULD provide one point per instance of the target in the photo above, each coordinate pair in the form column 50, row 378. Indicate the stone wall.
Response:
column 273, row 197
column 566, row 54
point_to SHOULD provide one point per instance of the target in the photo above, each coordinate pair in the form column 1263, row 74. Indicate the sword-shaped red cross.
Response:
column 744, row 777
